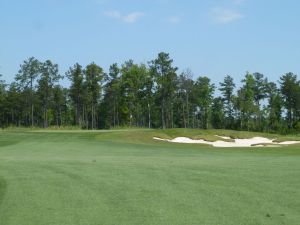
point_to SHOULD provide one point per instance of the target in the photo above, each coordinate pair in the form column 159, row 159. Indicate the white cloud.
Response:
column 132, row 17
column 174, row 19
column 128, row 18
column 226, row 15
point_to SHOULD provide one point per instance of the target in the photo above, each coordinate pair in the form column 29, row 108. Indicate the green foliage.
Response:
column 94, row 77
column 290, row 90
column 48, row 78
column 227, row 90
column 245, row 102
column 217, row 114
column 165, row 77
column 76, row 91
column 204, row 91
column 2, row 101
column 185, row 91
column 153, row 96
column 112, row 98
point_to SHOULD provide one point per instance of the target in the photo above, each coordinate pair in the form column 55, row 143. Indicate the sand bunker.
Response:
column 250, row 142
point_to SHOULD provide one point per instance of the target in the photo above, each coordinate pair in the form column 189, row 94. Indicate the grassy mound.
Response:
column 146, row 135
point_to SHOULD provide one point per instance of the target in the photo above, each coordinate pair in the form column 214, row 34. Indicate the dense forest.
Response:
column 153, row 95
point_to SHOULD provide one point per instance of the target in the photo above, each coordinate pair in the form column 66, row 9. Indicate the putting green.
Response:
column 125, row 177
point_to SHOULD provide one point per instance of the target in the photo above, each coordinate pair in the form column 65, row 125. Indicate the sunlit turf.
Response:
column 125, row 177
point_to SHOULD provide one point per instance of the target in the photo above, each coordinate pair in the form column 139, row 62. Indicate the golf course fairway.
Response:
column 125, row 177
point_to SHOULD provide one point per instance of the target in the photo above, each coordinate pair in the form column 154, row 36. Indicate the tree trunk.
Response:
column 149, row 116
column 162, row 114
column 31, row 100
column 87, row 117
column 118, row 121
column 60, row 117
column 114, row 113
column 45, row 117
column 172, row 115
column 206, row 118
column 57, row 118
column 92, row 116
column 183, row 116
column 32, row 121
column 187, row 110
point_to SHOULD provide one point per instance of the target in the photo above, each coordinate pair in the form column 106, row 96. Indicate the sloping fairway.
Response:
column 125, row 177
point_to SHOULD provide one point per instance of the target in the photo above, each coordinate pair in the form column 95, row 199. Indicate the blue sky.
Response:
column 212, row 38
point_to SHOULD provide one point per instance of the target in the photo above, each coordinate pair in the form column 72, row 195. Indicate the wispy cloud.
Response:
column 174, row 19
column 132, row 17
column 226, row 15
column 126, row 18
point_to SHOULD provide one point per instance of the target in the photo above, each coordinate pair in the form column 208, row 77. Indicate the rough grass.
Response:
column 125, row 177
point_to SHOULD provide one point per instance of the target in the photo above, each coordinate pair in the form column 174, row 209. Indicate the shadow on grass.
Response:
column 2, row 189
column 7, row 143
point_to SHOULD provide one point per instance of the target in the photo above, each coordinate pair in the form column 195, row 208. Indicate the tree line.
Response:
column 155, row 95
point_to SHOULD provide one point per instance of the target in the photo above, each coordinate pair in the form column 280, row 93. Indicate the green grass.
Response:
column 125, row 177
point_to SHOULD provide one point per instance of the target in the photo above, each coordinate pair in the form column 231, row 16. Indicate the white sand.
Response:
column 251, row 142
column 288, row 143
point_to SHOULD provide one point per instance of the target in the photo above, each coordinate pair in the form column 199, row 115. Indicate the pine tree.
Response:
column 75, row 75
column 49, row 77
column 205, row 91
column 165, row 80
column 94, row 77
column 28, row 73
column 227, row 89
column 289, row 87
